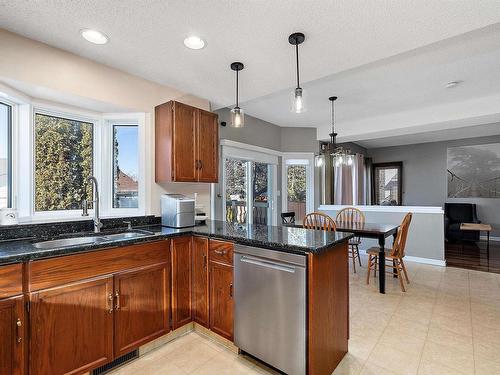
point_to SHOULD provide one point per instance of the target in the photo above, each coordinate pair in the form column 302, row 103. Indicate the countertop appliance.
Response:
column 270, row 307
column 177, row 211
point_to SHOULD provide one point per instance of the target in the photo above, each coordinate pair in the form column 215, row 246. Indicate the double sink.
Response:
column 89, row 239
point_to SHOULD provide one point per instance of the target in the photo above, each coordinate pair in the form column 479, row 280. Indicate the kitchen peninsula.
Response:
column 109, row 281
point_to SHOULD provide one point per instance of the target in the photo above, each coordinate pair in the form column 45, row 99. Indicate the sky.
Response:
column 128, row 157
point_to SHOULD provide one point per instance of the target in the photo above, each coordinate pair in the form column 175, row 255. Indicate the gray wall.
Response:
column 425, row 178
column 261, row 133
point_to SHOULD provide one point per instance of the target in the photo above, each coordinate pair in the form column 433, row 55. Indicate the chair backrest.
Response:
column 288, row 217
column 460, row 212
column 398, row 249
column 350, row 215
column 318, row 221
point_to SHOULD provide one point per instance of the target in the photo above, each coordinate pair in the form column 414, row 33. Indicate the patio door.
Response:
column 248, row 191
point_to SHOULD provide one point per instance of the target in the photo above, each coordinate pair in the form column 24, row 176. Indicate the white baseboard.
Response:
column 434, row 262
column 492, row 238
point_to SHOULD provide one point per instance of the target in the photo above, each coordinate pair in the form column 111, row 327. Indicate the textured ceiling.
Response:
column 146, row 36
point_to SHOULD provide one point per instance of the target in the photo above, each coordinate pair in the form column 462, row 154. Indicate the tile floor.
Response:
column 448, row 322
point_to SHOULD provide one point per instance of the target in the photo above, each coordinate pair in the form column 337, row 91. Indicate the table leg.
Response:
column 488, row 245
column 394, row 270
column 381, row 264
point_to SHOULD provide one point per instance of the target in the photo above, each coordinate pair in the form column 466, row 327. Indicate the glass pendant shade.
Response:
column 298, row 100
column 237, row 117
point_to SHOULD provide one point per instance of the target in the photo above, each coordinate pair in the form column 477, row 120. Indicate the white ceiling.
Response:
column 342, row 37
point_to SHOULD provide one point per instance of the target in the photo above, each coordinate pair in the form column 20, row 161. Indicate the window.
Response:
column 387, row 184
column 5, row 155
column 125, row 166
column 298, row 184
column 64, row 157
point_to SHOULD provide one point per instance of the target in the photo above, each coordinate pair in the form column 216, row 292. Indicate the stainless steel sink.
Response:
column 123, row 236
column 87, row 240
column 67, row 242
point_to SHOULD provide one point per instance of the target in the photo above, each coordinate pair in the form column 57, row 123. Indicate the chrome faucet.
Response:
column 85, row 203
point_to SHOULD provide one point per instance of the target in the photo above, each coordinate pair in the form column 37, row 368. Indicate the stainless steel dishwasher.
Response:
column 270, row 307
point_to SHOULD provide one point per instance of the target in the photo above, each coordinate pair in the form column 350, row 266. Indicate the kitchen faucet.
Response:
column 85, row 203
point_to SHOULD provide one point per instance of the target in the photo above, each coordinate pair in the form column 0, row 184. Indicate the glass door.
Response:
column 248, row 192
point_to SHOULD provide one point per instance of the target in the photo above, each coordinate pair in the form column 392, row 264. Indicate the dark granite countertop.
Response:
column 281, row 238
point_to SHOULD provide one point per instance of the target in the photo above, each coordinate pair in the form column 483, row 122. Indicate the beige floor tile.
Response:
column 161, row 367
column 395, row 359
column 226, row 364
column 439, row 335
column 192, row 355
column 350, row 365
column 360, row 347
column 434, row 368
column 371, row 368
column 455, row 324
column 407, row 328
column 485, row 367
column 449, row 356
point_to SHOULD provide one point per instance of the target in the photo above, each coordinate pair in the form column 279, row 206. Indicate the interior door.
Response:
column 12, row 324
column 71, row 327
column 200, row 280
column 184, row 143
column 181, row 281
column 208, row 153
column 141, row 306
column 221, row 299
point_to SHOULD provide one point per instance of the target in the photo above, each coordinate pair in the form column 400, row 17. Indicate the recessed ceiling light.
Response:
column 194, row 42
column 94, row 36
column 452, row 84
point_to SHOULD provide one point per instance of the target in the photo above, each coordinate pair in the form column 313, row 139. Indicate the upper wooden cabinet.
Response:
column 186, row 144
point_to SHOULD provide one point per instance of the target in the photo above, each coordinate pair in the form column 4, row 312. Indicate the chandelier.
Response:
column 340, row 155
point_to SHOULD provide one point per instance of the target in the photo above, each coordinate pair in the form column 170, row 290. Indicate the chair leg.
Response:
column 404, row 271
column 357, row 253
column 401, row 282
column 375, row 267
column 369, row 268
column 353, row 259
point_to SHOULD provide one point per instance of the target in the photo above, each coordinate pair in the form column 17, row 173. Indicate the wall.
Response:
column 425, row 178
column 27, row 63
column 261, row 133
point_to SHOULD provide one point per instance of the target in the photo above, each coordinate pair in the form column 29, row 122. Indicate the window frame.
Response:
column 10, row 153
column 388, row 165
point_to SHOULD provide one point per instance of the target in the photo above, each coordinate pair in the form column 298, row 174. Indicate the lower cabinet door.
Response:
column 141, row 307
column 221, row 299
column 200, row 280
column 181, row 281
column 71, row 327
column 12, row 324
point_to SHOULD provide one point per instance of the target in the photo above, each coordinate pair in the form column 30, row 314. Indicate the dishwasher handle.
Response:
column 267, row 264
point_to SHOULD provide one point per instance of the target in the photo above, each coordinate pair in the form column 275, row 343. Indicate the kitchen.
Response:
column 156, row 185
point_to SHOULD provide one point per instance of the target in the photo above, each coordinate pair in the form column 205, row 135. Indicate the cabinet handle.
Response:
column 18, row 327
column 117, row 295
column 220, row 252
column 204, row 261
column 231, row 290
column 201, row 164
column 110, row 303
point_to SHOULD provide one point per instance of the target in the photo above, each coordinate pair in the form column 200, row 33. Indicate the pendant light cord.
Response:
column 237, row 104
column 297, row 58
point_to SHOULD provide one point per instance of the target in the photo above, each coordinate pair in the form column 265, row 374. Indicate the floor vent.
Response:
column 117, row 362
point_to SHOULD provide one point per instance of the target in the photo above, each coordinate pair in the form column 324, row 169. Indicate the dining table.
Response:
column 378, row 231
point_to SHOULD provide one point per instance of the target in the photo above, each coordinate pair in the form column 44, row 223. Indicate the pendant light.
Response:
column 298, row 102
column 341, row 156
column 237, row 114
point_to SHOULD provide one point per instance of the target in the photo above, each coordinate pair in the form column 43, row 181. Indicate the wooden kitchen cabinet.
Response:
column 181, row 252
column 12, row 338
column 221, row 299
column 186, row 144
column 71, row 327
column 142, row 306
column 200, row 280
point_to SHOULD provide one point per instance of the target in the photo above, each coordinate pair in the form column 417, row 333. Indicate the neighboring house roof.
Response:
column 126, row 183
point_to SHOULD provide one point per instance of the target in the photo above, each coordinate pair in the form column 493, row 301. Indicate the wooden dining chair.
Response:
column 352, row 215
column 318, row 221
column 394, row 256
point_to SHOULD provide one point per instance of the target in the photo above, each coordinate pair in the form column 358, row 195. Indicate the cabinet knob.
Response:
column 117, row 296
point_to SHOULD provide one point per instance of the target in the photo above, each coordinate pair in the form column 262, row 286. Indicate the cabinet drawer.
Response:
column 11, row 280
column 220, row 251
